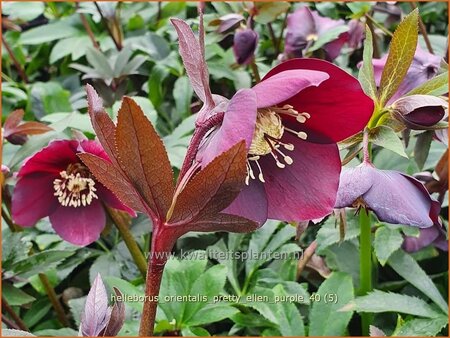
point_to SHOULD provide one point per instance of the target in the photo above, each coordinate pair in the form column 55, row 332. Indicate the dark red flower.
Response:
column 55, row 183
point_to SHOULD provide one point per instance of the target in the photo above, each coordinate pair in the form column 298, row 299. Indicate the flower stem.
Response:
column 366, row 146
column 60, row 313
column 163, row 239
column 121, row 224
column 304, row 259
column 273, row 38
column 19, row 67
column 110, row 32
column 8, row 309
column 365, row 265
column 255, row 71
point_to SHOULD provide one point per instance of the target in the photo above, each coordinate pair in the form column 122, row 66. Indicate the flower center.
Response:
column 75, row 187
column 267, row 136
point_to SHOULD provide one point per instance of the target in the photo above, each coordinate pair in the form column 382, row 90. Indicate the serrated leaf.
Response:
column 419, row 327
column 379, row 301
column 436, row 86
column 96, row 313
column 15, row 296
column 39, row 262
column 401, row 53
column 410, row 270
column 16, row 333
column 385, row 137
column 143, row 158
column 386, row 241
column 328, row 233
column 212, row 189
column 324, row 318
column 212, row 313
column 194, row 62
column 366, row 75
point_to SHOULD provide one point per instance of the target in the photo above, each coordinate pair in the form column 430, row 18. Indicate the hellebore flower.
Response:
column 229, row 22
column 423, row 67
column 434, row 235
column 244, row 45
column 393, row 196
column 55, row 183
column 419, row 111
column 305, row 27
column 290, row 122
column 293, row 163
column 355, row 33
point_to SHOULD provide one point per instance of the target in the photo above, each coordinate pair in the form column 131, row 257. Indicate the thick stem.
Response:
column 163, row 239
column 365, row 265
column 8, row 309
column 60, row 313
column 122, row 225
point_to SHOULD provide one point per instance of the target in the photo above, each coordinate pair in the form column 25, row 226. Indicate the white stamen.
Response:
column 74, row 190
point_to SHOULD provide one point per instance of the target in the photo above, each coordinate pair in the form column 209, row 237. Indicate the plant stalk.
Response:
column 304, row 259
column 60, row 313
column 255, row 71
column 423, row 29
column 365, row 265
column 8, row 309
column 19, row 67
column 122, row 225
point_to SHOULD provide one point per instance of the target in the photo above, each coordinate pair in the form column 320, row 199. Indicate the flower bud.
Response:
column 245, row 42
column 419, row 112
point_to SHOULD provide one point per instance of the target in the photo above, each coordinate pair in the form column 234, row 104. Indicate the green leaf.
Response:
column 152, row 44
column 194, row 332
column 268, row 11
column 75, row 46
column 100, row 63
column 23, row 10
column 328, row 36
column 133, row 294
column 210, row 284
column 436, row 86
column 401, row 53
column 144, row 103
column 14, row 247
column 16, row 333
column 419, row 327
column 40, row 262
column 37, row 311
column 328, row 233
column 15, row 296
column 359, row 8
column 155, row 85
column 366, row 76
column 212, row 313
column 378, row 301
column 410, row 270
column 386, row 137
column 422, row 148
column 324, row 318
column 386, row 241
column 182, row 93
column 65, row 331
column 105, row 265
column 50, row 32
column 74, row 120
column 177, row 142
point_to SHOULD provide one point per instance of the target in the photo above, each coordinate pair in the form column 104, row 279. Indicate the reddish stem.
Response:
column 163, row 239
column 366, row 150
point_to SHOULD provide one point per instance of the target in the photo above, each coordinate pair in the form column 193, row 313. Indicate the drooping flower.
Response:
column 423, row 67
column 305, row 27
column 244, row 45
column 434, row 235
column 290, row 122
column 394, row 197
column 419, row 111
column 55, row 183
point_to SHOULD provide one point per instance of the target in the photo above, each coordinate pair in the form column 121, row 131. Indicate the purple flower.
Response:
column 305, row 26
column 55, row 183
column 423, row 67
column 244, row 45
column 434, row 235
column 293, row 163
column 393, row 196
column 419, row 111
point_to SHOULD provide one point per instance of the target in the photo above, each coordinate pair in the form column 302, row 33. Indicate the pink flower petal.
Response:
column 79, row 226
column 33, row 199
column 238, row 124
column 285, row 84
column 307, row 188
column 111, row 200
